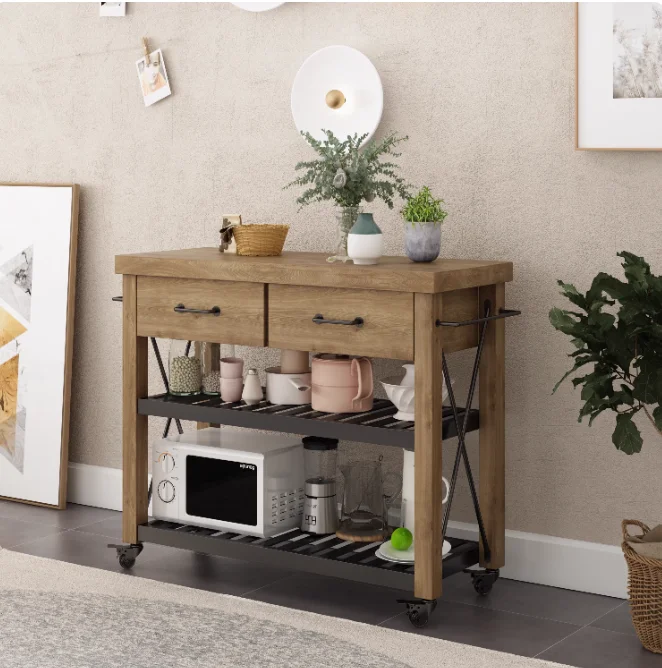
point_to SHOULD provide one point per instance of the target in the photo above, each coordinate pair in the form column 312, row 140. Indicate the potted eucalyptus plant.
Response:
column 348, row 173
column 423, row 216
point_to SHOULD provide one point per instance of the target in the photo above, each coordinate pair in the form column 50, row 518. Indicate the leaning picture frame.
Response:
column 618, row 103
column 38, row 249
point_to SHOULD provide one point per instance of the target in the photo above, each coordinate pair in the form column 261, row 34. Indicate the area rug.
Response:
column 58, row 615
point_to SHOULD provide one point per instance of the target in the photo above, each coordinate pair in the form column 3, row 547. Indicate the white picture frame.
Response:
column 38, row 245
column 605, row 119
column 112, row 9
column 153, row 78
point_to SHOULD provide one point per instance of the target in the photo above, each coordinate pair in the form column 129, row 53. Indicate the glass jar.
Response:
column 185, row 368
column 211, row 368
column 345, row 219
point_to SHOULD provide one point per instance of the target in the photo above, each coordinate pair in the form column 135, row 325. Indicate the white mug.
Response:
column 407, row 507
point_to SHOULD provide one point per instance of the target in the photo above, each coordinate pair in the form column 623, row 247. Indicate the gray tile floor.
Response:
column 567, row 627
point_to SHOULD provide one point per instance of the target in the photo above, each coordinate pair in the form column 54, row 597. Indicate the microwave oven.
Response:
column 243, row 482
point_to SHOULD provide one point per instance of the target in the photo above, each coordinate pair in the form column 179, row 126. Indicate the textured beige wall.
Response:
column 486, row 93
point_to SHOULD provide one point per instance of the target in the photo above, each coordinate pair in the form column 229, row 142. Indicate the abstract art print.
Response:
column 619, row 76
column 38, row 239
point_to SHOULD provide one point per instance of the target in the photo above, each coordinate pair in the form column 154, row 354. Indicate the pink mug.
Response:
column 232, row 367
column 231, row 388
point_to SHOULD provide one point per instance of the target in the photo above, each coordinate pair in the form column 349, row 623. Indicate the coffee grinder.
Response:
column 320, row 508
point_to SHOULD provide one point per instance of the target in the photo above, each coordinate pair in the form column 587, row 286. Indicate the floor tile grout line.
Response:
column 585, row 627
column 558, row 642
column 35, row 540
column 100, row 535
column 508, row 612
column 252, row 591
column 388, row 619
column 621, row 604
column 90, row 524
column 30, row 522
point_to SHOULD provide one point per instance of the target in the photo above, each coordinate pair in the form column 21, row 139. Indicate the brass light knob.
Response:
column 335, row 99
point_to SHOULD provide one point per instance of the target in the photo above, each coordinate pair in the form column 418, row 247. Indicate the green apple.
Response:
column 402, row 539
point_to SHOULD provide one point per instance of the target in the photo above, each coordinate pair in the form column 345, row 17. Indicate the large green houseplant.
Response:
column 348, row 173
column 616, row 328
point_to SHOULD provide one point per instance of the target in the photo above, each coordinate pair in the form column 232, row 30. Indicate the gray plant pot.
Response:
column 422, row 241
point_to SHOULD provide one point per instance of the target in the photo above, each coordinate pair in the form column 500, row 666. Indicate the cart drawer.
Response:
column 241, row 317
column 386, row 331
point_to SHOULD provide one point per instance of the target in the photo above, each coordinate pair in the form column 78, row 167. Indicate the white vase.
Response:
column 252, row 393
column 365, row 241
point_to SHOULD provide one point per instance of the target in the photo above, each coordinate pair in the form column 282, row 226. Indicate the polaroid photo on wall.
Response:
column 112, row 9
column 153, row 78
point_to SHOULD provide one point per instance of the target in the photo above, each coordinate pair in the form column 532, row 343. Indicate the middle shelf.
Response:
column 375, row 426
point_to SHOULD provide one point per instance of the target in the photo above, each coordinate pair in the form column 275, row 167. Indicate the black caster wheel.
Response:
column 127, row 554
column 126, row 562
column 418, row 612
column 483, row 581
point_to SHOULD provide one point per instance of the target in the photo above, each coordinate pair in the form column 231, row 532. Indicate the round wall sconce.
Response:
column 339, row 89
column 257, row 6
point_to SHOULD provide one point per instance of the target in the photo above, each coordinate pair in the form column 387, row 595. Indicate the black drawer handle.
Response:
column 214, row 310
column 319, row 320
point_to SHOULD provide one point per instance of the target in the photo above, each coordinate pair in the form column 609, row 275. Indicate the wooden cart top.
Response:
column 391, row 273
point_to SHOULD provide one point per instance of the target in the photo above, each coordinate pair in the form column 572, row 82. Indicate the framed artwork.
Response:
column 619, row 76
column 38, row 242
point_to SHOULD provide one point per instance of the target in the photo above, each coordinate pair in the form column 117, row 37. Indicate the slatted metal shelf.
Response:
column 375, row 426
column 297, row 550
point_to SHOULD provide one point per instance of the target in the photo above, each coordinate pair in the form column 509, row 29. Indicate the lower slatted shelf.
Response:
column 297, row 550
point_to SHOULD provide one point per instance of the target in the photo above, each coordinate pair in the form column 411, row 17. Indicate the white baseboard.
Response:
column 546, row 560
column 97, row 486
column 559, row 562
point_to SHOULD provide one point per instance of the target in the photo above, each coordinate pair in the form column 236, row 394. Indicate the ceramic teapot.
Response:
column 341, row 384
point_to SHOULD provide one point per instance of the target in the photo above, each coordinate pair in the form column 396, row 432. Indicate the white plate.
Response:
column 388, row 553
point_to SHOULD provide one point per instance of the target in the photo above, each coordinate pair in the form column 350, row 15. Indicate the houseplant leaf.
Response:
column 626, row 436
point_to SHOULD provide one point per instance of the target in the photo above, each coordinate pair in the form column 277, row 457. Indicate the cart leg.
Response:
column 134, row 426
column 428, row 496
column 492, row 430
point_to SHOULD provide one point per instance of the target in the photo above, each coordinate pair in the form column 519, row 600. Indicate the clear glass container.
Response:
column 185, row 368
column 210, row 354
column 320, row 456
column 345, row 218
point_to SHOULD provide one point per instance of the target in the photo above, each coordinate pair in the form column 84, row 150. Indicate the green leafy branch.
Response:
column 617, row 333
column 347, row 172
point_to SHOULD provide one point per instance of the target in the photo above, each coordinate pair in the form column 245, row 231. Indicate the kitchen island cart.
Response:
column 396, row 309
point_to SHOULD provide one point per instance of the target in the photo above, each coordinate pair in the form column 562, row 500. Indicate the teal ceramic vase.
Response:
column 365, row 241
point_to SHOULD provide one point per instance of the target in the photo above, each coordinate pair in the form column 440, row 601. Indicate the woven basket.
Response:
column 645, row 587
column 260, row 240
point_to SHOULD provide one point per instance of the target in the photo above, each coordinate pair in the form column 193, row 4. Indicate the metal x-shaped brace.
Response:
column 461, row 429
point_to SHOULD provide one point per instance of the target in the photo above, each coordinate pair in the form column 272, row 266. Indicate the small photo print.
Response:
column 637, row 50
column 153, row 78
column 112, row 8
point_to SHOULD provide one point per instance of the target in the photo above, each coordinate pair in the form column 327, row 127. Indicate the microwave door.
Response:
column 221, row 490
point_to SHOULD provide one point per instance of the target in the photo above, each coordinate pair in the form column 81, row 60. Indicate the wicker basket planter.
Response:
column 645, row 588
column 260, row 240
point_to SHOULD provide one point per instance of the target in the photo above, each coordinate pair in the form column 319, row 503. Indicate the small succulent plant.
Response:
column 424, row 208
